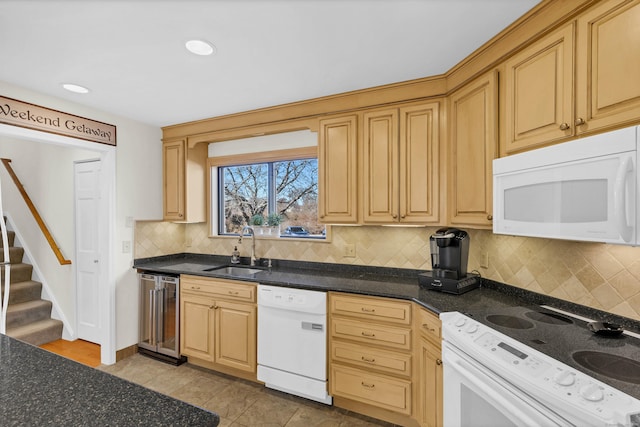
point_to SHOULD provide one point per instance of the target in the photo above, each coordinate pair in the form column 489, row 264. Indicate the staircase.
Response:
column 28, row 316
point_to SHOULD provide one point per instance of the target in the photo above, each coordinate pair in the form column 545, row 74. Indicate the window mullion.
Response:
column 271, row 204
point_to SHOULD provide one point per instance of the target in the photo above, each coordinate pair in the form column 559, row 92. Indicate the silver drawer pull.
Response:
column 424, row 325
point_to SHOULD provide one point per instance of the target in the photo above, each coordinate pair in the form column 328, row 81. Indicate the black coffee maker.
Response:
column 449, row 257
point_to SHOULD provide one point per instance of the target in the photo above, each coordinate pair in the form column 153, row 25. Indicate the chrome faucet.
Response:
column 253, row 242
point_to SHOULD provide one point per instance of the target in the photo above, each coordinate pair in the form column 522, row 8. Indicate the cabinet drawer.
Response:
column 371, row 358
column 373, row 308
column 371, row 333
column 429, row 325
column 219, row 288
column 377, row 390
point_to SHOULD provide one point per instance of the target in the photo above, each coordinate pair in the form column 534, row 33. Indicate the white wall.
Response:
column 138, row 194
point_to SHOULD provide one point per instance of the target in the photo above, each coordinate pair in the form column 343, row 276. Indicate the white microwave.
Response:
column 585, row 189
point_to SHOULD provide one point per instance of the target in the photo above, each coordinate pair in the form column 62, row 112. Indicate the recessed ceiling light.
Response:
column 200, row 47
column 75, row 88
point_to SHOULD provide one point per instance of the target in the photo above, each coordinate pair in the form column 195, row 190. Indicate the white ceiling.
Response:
column 131, row 53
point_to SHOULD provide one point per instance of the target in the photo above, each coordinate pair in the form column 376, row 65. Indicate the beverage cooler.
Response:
column 159, row 334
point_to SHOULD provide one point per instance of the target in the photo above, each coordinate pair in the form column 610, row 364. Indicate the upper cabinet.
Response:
column 608, row 66
column 184, row 172
column 473, row 112
column 578, row 79
column 539, row 92
column 400, row 174
column 337, row 170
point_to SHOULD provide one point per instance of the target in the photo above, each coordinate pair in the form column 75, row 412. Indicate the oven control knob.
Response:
column 592, row 392
column 460, row 322
column 472, row 328
column 565, row 378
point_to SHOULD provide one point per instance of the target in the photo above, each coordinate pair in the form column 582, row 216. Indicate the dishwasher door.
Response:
column 292, row 341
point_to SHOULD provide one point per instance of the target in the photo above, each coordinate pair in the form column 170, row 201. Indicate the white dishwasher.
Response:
column 292, row 341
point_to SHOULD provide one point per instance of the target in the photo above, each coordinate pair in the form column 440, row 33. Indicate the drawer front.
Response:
column 373, row 308
column 371, row 358
column 378, row 390
column 429, row 325
column 388, row 336
column 219, row 288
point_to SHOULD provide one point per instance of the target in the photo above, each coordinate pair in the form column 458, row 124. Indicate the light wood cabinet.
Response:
column 337, row 170
column 473, row 113
column 371, row 356
column 608, row 66
column 539, row 92
column 428, row 372
column 579, row 79
column 400, row 174
column 218, row 322
column 184, row 171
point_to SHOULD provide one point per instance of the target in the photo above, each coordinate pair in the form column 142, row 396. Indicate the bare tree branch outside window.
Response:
column 246, row 193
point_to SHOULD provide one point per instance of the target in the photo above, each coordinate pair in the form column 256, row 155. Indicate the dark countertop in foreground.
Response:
column 41, row 388
column 491, row 297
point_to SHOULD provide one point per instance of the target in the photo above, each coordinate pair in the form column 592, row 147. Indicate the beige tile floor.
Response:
column 239, row 403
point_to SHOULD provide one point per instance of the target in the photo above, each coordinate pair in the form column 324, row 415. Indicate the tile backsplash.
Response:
column 606, row 277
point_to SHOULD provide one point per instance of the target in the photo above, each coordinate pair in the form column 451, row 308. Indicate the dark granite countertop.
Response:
column 491, row 297
column 376, row 281
column 42, row 388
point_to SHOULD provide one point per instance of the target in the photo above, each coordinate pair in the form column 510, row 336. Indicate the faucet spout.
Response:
column 253, row 242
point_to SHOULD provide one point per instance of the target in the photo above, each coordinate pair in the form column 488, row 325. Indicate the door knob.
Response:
column 580, row 121
column 564, row 126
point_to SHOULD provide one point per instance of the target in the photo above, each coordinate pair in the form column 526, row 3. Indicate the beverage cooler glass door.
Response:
column 474, row 396
column 159, row 314
column 168, row 316
column 592, row 199
column 148, row 312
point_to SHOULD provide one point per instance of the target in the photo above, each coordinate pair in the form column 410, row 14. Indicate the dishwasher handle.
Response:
column 310, row 326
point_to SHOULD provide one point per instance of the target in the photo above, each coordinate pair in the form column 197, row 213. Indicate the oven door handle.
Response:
column 486, row 384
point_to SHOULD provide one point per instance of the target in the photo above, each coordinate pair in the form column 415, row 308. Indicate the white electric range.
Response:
column 531, row 366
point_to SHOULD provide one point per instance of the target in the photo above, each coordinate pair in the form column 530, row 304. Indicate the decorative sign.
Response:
column 23, row 114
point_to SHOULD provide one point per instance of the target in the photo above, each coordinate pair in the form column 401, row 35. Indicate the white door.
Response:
column 87, row 197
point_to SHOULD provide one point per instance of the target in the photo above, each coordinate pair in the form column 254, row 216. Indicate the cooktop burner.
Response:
column 550, row 318
column 611, row 365
column 510, row 321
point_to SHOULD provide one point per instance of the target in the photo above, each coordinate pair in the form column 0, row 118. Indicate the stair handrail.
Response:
column 6, row 263
column 36, row 215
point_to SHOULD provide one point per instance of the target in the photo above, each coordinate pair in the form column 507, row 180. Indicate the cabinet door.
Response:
column 197, row 327
column 539, row 92
column 608, row 65
column 235, row 335
column 337, row 170
column 472, row 149
column 430, row 385
column 419, row 155
column 380, row 167
column 173, row 162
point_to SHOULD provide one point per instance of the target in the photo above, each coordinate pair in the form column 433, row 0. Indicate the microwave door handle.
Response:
column 620, row 200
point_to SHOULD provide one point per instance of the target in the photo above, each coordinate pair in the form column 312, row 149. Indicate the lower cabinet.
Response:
column 428, row 372
column 218, row 322
column 371, row 360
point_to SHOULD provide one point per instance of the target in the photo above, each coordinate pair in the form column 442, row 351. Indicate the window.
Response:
column 252, row 194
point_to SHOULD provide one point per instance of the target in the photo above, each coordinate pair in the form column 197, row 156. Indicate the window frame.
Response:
column 213, row 163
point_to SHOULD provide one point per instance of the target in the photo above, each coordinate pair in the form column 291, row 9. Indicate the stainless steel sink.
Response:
column 235, row 270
